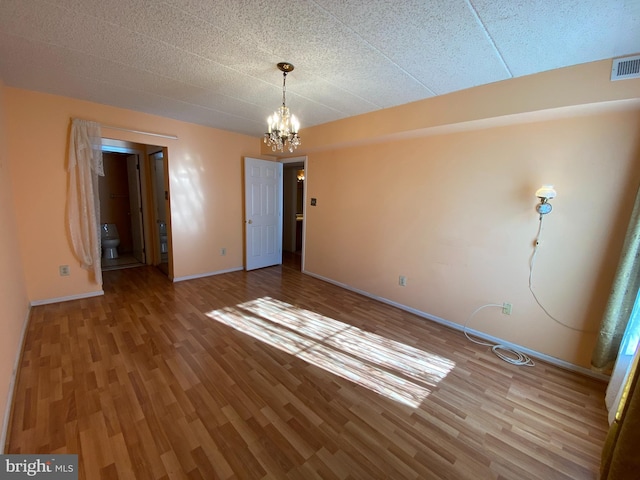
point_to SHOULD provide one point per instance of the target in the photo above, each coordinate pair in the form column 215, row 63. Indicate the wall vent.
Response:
column 625, row 67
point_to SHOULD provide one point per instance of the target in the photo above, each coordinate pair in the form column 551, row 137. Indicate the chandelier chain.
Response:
column 284, row 89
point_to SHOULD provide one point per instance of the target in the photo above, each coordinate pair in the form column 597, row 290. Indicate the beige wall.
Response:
column 205, row 170
column 452, row 207
column 13, row 292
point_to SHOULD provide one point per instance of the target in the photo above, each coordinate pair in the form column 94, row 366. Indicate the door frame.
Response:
column 148, row 212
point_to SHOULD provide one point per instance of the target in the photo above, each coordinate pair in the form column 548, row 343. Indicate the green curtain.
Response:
column 623, row 296
column 620, row 456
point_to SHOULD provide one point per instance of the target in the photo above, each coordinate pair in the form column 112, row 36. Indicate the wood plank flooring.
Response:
column 273, row 374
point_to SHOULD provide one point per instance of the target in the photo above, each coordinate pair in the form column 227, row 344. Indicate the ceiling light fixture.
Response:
column 283, row 126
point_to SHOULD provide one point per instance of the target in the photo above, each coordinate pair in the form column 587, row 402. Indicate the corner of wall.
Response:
column 13, row 291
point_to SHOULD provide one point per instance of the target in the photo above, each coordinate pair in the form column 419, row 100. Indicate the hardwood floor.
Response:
column 274, row 374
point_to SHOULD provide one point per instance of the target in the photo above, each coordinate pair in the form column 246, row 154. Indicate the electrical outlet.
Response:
column 223, row 251
column 506, row 308
column 64, row 270
column 402, row 281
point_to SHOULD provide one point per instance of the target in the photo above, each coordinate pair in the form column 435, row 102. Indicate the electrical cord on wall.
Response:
column 507, row 354
column 531, row 268
column 503, row 352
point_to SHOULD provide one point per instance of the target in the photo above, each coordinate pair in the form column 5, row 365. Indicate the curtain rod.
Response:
column 161, row 135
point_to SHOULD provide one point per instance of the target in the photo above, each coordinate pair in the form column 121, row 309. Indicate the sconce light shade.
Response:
column 546, row 192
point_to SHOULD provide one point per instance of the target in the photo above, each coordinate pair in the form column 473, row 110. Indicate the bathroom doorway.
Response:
column 121, row 210
column 134, row 199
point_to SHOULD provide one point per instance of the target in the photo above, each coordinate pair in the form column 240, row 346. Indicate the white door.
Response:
column 135, row 207
column 263, row 213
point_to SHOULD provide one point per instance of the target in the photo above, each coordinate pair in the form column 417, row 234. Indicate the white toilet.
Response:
column 110, row 241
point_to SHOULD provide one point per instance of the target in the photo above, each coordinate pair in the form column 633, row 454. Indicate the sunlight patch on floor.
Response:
column 390, row 368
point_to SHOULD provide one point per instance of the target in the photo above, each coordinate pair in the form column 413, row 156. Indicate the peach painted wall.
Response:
column 453, row 209
column 13, row 291
column 205, row 171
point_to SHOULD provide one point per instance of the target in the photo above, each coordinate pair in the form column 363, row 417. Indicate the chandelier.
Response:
column 283, row 126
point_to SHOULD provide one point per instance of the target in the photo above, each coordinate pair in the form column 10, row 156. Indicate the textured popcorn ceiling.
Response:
column 213, row 62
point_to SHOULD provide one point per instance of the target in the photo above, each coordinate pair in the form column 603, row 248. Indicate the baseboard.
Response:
column 79, row 296
column 6, row 423
column 209, row 274
column 532, row 353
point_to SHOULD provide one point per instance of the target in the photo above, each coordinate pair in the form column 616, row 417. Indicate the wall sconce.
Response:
column 300, row 175
column 545, row 193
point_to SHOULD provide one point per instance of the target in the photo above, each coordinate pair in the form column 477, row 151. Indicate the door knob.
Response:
column 250, row 222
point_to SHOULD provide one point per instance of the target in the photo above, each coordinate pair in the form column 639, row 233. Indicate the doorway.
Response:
column 294, row 184
column 121, row 209
column 134, row 197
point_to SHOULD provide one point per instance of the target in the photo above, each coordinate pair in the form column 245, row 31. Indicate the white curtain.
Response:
column 83, row 204
column 628, row 350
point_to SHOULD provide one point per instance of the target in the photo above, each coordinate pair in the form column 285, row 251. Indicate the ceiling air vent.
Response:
column 625, row 67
